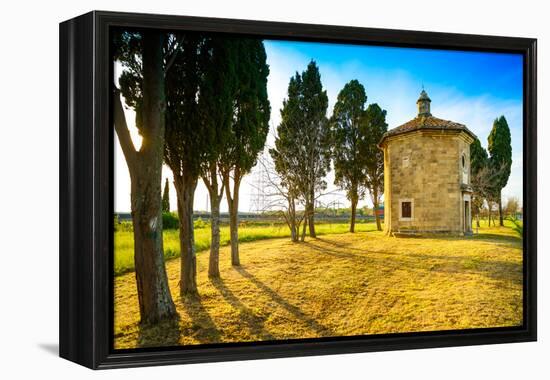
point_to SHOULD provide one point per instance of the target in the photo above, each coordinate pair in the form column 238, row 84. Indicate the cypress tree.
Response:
column 315, row 139
column 184, row 146
column 166, row 197
column 303, row 145
column 373, row 128
column 349, row 162
column 500, row 149
column 249, row 127
column 287, row 153
column 142, row 86
column 479, row 161
column 216, row 112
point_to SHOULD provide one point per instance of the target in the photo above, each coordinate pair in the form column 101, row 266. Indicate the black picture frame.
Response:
column 86, row 191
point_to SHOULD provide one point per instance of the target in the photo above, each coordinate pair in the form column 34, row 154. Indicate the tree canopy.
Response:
column 479, row 158
column 500, row 150
column 185, row 142
column 251, row 110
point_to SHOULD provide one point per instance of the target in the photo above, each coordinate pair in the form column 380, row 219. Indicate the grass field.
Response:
column 124, row 241
column 339, row 285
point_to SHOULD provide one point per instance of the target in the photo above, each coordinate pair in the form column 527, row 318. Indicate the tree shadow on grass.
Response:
column 504, row 271
column 496, row 238
column 346, row 249
column 165, row 333
column 312, row 323
column 202, row 326
column 253, row 322
column 342, row 251
column 341, row 244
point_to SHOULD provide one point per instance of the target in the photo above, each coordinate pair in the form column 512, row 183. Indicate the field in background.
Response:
column 338, row 285
column 124, row 240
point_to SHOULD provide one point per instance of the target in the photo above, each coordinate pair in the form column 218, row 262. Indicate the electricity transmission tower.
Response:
column 259, row 183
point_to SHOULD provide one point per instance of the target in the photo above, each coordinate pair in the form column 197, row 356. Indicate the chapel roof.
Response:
column 425, row 121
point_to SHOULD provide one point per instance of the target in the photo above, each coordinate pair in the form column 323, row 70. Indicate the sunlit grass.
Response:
column 124, row 240
column 337, row 285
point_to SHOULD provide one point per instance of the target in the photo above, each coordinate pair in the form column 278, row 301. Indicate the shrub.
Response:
column 122, row 225
column 125, row 226
column 170, row 221
column 199, row 223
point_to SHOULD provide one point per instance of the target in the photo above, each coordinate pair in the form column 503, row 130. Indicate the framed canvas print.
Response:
column 236, row 189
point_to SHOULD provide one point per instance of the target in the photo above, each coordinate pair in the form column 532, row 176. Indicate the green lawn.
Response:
column 337, row 285
column 124, row 241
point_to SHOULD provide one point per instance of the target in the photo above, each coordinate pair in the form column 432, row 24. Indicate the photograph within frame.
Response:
column 405, row 136
column 86, row 191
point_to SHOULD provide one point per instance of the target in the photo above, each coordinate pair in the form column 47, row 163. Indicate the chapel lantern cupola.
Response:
column 423, row 103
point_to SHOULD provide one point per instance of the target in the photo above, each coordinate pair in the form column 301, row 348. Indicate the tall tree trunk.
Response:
column 214, row 262
column 215, row 199
column 185, row 190
column 311, row 216
column 293, row 233
column 234, row 232
column 292, row 220
column 293, row 230
column 145, row 166
column 233, row 206
column 304, row 227
column 155, row 300
column 501, row 218
column 376, row 205
column 354, row 201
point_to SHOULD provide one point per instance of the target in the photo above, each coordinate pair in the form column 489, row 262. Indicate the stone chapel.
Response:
column 427, row 175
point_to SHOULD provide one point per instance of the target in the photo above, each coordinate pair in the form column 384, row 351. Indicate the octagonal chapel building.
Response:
column 427, row 175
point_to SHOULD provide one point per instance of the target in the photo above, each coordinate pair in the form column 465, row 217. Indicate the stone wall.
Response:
column 425, row 167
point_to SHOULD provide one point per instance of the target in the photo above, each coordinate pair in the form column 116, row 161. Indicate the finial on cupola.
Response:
column 423, row 103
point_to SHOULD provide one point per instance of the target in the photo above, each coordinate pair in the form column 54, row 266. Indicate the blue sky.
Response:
column 472, row 88
column 472, row 73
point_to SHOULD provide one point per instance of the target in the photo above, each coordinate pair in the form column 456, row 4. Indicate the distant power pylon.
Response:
column 259, row 183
